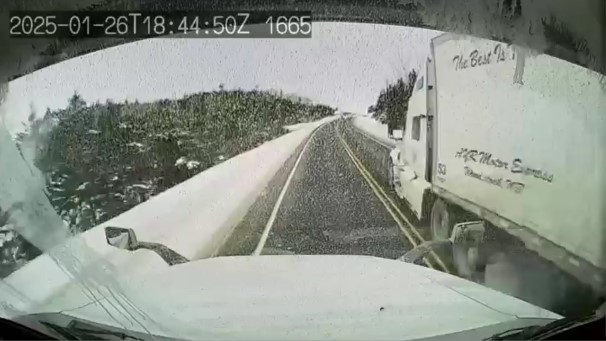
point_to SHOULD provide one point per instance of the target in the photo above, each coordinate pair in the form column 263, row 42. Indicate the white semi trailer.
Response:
column 514, row 140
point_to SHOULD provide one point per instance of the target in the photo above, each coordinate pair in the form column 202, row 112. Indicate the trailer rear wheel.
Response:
column 465, row 257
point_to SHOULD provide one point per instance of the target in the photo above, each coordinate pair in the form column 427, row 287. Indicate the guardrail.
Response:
column 374, row 154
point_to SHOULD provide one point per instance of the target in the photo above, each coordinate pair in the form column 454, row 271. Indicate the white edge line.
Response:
column 274, row 212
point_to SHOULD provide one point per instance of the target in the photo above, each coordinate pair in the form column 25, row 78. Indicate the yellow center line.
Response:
column 380, row 197
column 412, row 227
column 369, row 177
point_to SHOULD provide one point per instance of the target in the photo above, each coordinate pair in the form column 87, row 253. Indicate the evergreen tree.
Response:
column 392, row 102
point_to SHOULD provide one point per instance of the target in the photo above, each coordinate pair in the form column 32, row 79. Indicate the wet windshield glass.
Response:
column 467, row 155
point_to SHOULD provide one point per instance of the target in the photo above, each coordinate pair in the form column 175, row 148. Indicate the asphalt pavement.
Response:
column 328, row 208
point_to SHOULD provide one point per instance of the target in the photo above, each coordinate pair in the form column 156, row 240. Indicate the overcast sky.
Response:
column 343, row 65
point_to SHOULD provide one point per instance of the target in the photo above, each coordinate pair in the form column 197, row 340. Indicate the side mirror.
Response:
column 125, row 239
column 466, row 232
column 470, row 231
column 422, row 250
column 122, row 238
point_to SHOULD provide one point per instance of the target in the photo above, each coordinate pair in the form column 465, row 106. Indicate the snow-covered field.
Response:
column 375, row 130
column 193, row 218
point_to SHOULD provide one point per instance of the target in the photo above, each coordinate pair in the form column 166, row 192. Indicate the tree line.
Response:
column 99, row 160
column 392, row 104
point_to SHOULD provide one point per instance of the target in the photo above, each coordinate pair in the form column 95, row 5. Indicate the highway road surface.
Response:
column 321, row 203
column 324, row 201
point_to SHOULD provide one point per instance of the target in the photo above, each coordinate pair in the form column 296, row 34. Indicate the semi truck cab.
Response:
column 505, row 136
column 411, row 159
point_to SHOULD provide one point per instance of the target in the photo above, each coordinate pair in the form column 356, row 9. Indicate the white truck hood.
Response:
column 299, row 297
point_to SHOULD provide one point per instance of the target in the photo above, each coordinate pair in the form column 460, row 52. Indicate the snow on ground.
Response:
column 376, row 130
column 297, row 126
column 193, row 218
column 181, row 161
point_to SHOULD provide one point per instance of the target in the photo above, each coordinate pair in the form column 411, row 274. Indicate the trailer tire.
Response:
column 464, row 258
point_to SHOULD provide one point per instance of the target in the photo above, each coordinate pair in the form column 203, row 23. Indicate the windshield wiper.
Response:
column 76, row 330
column 514, row 334
column 545, row 332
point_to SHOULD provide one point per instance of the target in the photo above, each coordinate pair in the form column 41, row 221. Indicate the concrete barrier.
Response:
column 375, row 130
column 373, row 153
